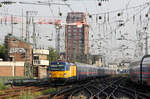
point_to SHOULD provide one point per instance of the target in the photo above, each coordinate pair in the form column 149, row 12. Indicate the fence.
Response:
column 6, row 79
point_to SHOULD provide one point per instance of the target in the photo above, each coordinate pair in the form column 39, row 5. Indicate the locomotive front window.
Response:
column 57, row 67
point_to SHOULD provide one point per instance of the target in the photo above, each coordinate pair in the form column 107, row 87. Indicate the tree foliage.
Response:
column 2, row 51
column 52, row 55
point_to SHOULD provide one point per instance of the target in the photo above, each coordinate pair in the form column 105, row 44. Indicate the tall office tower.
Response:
column 77, row 36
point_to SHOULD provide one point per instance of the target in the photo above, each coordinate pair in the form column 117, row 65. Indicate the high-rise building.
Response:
column 77, row 36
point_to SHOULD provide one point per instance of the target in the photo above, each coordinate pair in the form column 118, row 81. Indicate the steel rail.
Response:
column 97, row 95
column 68, row 91
column 140, row 94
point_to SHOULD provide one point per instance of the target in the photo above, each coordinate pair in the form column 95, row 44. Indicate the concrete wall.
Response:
column 41, row 51
column 40, row 62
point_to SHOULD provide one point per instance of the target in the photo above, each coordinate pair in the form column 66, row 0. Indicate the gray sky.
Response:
column 102, row 33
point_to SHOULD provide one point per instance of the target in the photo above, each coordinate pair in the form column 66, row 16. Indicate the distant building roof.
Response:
column 15, row 37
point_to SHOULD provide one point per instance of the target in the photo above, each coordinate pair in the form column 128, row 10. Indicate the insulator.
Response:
column 100, row 17
column 118, row 14
column 90, row 16
column 60, row 14
column 146, row 15
column 99, row 4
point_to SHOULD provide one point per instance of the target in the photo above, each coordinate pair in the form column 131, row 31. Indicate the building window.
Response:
column 69, row 30
column 69, row 27
column 69, row 34
column 80, row 30
column 36, row 57
column 75, row 30
column 74, row 34
column 74, row 26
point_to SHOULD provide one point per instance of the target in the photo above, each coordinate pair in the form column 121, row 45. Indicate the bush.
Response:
column 25, row 95
column 2, row 86
column 37, row 93
column 48, row 91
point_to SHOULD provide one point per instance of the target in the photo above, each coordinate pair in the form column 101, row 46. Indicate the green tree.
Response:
column 0, row 5
column 53, row 55
column 2, row 51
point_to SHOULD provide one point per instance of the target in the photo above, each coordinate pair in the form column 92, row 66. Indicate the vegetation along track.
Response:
column 17, row 91
column 106, row 88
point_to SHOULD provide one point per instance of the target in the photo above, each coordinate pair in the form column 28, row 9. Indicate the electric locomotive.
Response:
column 139, row 71
column 69, row 72
column 61, row 71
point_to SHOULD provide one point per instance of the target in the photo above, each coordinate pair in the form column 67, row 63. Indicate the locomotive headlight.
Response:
column 65, row 74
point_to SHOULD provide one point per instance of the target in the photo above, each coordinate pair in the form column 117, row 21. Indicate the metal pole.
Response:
column 34, row 34
column 58, row 39
column 146, row 44
column 22, row 25
column 12, row 24
column 26, row 26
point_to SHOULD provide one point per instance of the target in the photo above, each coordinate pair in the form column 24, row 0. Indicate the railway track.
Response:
column 103, row 88
column 108, row 88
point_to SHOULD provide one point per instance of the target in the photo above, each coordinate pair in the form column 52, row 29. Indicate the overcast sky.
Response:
column 101, row 34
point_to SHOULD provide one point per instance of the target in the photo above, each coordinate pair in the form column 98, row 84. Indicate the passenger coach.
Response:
column 69, row 72
column 139, row 71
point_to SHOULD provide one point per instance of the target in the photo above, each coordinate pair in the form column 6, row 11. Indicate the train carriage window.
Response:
column 146, row 60
column 57, row 67
column 145, row 68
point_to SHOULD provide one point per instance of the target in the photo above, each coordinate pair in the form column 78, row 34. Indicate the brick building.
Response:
column 22, row 60
column 77, row 36
column 17, row 49
column 11, row 68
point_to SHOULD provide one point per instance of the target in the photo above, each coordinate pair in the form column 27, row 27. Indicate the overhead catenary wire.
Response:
column 131, row 18
column 114, row 11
